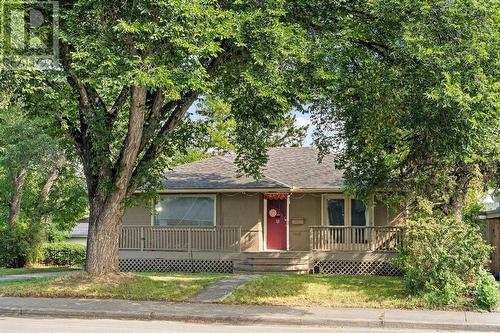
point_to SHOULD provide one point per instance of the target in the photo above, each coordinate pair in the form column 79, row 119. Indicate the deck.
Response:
column 228, row 239
column 336, row 250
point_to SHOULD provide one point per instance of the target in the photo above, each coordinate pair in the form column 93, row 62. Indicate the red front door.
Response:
column 276, row 224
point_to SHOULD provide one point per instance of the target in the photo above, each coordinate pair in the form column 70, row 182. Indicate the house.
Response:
column 295, row 219
column 79, row 233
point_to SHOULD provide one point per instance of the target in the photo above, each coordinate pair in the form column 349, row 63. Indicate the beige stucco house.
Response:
column 296, row 218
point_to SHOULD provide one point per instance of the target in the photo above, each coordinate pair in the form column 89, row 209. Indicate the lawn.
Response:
column 141, row 286
column 323, row 290
column 37, row 269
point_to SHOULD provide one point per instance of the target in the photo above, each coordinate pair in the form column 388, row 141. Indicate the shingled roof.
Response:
column 287, row 169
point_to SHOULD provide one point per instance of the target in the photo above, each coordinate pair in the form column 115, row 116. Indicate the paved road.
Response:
column 48, row 325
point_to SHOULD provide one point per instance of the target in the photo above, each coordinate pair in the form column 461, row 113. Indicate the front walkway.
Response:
column 240, row 314
column 222, row 289
column 27, row 276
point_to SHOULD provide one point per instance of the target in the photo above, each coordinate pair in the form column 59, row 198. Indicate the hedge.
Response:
column 64, row 254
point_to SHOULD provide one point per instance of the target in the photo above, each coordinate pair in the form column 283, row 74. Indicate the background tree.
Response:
column 219, row 132
column 39, row 187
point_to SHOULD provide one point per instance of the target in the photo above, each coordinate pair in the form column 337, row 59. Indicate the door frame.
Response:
column 287, row 226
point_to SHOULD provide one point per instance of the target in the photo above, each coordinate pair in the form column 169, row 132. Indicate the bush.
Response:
column 444, row 260
column 64, row 254
column 17, row 245
column 485, row 291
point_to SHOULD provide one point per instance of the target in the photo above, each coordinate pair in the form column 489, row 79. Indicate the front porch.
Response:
column 332, row 249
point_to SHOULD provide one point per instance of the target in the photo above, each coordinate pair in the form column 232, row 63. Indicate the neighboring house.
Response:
column 296, row 218
column 491, row 232
column 79, row 233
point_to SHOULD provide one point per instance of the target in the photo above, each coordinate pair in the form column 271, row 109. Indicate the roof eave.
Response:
column 224, row 190
column 316, row 190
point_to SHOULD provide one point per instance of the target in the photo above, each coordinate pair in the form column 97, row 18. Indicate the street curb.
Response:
column 242, row 320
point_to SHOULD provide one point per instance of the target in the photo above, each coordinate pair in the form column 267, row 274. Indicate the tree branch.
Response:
column 153, row 118
column 119, row 102
column 381, row 49
column 60, row 160
column 177, row 110
column 130, row 149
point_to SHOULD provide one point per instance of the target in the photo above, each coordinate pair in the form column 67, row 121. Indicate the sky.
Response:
column 300, row 119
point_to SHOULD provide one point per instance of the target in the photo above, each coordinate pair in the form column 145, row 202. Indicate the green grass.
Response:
column 330, row 291
column 39, row 269
column 142, row 286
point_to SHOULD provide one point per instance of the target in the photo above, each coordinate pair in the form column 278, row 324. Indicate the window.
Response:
column 335, row 208
column 340, row 210
column 359, row 213
column 188, row 211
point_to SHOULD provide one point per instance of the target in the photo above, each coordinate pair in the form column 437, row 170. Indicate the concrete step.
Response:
column 276, row 261
column 272, row 268
column 301, row 265
column 278, row 255
column 285, row 262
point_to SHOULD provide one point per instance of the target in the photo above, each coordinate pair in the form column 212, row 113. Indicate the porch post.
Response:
column 189, row 239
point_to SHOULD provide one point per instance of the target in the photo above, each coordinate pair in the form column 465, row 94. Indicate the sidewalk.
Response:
column 27, row 276
column 240, row 314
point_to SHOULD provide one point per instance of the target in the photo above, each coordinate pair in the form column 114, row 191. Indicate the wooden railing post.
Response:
column 373, row 238
column 311, row 242
column 143, row 240
column 189, row 240
column 239, row 239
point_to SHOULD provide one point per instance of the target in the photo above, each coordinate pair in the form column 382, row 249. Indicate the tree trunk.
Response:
column 456, row 204
column 49, row 183
column 15, row 203
column 104, row 230
column 107, row 208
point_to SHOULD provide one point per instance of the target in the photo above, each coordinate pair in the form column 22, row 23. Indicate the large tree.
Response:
column 414, row 113
column 128, row 73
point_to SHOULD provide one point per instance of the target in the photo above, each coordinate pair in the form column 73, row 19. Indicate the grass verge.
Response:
column 331, row 291
column 36, row 269
column 141, row 286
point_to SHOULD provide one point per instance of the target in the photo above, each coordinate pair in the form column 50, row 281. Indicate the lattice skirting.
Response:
column 172, row 265
column 355, row 268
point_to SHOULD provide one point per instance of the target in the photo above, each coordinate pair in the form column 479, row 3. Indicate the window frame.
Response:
column 347, row 210
column 213, row 196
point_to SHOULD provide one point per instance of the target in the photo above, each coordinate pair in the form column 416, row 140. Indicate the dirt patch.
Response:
column 84, row 281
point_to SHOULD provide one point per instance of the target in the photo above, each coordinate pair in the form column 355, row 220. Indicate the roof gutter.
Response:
column 316, row 190
column 254, row 190
column 223, row 190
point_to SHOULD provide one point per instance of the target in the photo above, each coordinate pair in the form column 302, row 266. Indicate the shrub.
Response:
column 444, row 260
column 17, row 245
column 64, row 254
column 485, row 291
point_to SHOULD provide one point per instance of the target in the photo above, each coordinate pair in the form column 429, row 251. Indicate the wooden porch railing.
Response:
column 182, row 239
column 340, row 238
